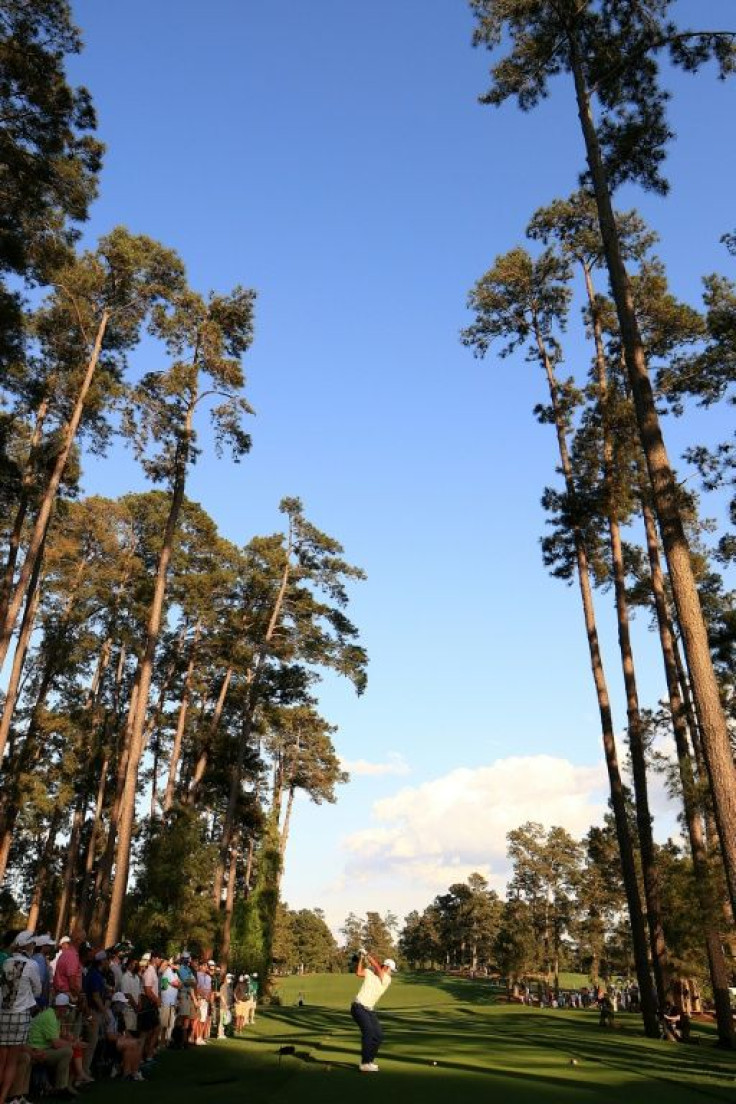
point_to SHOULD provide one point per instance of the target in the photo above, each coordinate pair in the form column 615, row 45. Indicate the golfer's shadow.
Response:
column 306, row 1056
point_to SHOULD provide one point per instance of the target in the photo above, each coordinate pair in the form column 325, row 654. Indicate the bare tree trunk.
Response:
column 40, row 527
column 711, row 717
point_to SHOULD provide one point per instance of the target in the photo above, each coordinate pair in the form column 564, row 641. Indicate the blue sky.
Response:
column 334, row 156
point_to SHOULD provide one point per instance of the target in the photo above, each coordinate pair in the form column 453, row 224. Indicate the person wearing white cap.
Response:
column 44, row 946
column 20, row 986
column 169, row 986
column 376, row 980
column 44, row 1038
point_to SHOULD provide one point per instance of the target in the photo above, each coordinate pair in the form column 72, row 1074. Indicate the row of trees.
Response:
column 144, row 653
column 622, row 519
column 565, row 908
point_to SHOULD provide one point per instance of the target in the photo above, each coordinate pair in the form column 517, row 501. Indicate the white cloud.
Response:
column 425, row 837
column 396, row 764
column 441, row 831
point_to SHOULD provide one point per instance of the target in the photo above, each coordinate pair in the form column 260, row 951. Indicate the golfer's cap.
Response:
column 120, row 997
column 146, row 957
column 65, row 939
column 390, row 963
column 185, row 956
column 228, row 977
column 25, row 939
column 62, row 1000
column 101, row 956
column 211, row 962
column 45, row 941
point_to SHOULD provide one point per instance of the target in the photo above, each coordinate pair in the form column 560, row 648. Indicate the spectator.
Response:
column 95, row 992
column 204, row 1003
column 50, row 1049
column 45, row 946
column 253, row 1001
column 120, row 1040
column 131, row 987
column 20, row 987
column 68, row 970
column 149, row 1018
column 169, row 986
column 187, row 995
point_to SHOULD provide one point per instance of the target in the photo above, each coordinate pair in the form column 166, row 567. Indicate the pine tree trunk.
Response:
column 711, row 717
column 236, row 772
column 717, row 965
column 286, row 825
column 618, row 800
column 63, row 911
column 227, row 925
column 42, row 871
column 6, row 588
column 658, row 946
column 40, row 527
column 24, row 760
column 181, row 723
column 19, row 658
column 203, row 758
column 138, row 709
column 103, row 875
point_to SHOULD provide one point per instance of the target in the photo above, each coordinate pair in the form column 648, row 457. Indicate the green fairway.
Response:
column 484, row 1050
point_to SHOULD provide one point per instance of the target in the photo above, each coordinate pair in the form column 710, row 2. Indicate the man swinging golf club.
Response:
column 376, row 980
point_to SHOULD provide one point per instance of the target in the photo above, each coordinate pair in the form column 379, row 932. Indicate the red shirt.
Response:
column 68, row 973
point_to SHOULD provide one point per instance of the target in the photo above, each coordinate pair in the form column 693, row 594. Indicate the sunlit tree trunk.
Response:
column 660, row 958
column 717, row 965
column 43, row 870
column 38, row 532
column 19, row 658
column 6, row 587
column 181, row 723
column 711, row 717
column 618, row 800
column 138, row 710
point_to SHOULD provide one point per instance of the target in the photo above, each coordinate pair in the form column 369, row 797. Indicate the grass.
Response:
column 483, row 1048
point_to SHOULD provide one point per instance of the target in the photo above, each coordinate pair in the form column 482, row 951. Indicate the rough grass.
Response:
column 483, row 1048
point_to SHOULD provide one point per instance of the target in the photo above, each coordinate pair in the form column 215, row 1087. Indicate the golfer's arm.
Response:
column 376, row 967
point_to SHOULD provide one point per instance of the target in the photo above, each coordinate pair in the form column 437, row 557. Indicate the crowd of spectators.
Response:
column 72, row 1014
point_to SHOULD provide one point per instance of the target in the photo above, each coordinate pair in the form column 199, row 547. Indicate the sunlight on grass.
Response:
column 483, row 1048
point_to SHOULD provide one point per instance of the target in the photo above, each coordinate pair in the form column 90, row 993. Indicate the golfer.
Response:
column 376, row 980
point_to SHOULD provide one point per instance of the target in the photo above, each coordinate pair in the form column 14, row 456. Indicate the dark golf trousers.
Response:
column 370, row 1031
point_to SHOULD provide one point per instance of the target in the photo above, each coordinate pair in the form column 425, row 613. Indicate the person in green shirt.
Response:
column 47, row 1046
